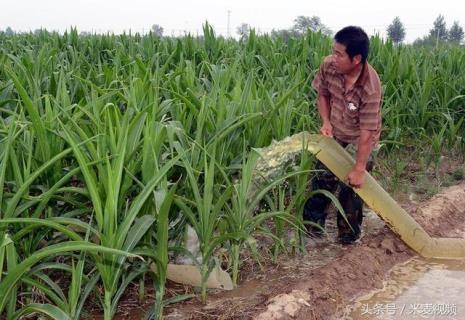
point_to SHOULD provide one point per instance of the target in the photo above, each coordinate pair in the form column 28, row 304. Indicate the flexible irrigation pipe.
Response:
column 339, row 161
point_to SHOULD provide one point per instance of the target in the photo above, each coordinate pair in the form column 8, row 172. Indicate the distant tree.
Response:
column 456, row 33
column 243, row 29
column 303, row 23
column 439, row 31
column 284, row 34
column 418, row 42
column 396, row 31
column 157, row 30
column 9, row 31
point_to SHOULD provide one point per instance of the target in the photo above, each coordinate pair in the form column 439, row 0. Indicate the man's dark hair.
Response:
column 355, row 40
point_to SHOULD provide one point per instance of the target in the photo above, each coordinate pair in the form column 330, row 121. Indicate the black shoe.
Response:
column 347, row 238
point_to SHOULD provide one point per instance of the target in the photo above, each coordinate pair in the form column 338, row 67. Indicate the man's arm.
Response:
column 324, row 108
column 369, row 116
column 324, row 111
column 356, row 176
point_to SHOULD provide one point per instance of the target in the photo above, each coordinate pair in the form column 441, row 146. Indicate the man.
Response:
column 349, row 104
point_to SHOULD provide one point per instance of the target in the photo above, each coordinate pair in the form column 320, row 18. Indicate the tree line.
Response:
column 437, row 34
column 396, row 31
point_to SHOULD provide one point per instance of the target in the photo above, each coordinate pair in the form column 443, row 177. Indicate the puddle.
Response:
column 418, row 289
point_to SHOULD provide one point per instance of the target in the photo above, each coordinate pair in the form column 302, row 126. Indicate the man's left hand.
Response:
column 355, row 178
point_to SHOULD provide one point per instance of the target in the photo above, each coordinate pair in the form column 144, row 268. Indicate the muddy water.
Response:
column 418, row 289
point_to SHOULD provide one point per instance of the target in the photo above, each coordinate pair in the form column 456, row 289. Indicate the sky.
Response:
column 179, row 16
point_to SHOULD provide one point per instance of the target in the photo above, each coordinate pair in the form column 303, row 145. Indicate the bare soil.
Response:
column 319, row 284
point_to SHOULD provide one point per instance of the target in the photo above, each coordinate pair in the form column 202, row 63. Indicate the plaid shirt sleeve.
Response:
column 369, row 111
column 319, row 83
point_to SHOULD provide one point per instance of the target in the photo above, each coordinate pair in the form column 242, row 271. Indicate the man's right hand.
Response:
column 327, row 130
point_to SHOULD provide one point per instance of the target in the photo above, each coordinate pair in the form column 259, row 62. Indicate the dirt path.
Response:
column 324, row 281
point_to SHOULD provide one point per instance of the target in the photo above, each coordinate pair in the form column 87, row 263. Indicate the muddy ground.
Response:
column 321, row 283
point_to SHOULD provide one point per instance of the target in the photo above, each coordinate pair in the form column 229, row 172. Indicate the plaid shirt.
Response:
column 352, row 110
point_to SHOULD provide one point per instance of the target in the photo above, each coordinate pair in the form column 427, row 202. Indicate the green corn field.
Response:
column 110, row 145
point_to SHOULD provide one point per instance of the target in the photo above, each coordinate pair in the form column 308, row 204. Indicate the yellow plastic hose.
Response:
column 336, row 158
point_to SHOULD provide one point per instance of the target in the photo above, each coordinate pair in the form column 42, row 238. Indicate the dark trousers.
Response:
column 315, row 207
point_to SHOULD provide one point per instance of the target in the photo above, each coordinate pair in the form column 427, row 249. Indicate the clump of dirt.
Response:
column 446, row 210
column 285, row 305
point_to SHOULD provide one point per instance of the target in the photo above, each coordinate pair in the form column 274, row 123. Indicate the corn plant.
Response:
column 111, row 144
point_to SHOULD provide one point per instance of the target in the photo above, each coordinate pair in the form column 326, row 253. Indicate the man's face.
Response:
column 342, row 60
